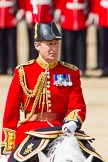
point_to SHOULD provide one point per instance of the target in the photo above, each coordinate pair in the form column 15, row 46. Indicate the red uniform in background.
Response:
column 9, row 16
column 66, row 101
column 100, row 12
column 74, row 14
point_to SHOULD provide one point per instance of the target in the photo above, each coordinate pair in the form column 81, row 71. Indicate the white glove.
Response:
column 4, row 158
column 92, row 19
column 20, row 14
column 28, row 17
column 69, row 127
column 57, row 15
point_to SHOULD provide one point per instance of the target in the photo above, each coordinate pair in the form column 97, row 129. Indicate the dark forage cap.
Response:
column 46, row 32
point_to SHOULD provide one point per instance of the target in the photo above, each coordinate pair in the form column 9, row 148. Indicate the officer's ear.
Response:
column 37, row 45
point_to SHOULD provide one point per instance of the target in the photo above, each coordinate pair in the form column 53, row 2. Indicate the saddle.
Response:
column 38, row 140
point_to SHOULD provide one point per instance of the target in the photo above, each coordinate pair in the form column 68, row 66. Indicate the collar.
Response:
column 44, row 64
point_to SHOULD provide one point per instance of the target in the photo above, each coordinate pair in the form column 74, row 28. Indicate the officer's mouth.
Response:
column 52, row 54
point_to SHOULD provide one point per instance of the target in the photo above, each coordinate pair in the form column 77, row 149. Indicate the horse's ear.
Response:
column 42, row 157
column 89, row 159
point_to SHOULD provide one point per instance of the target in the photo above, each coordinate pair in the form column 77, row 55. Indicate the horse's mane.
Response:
column 65, row 148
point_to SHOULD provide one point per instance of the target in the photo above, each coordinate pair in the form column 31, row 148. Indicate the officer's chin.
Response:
column 52, row 58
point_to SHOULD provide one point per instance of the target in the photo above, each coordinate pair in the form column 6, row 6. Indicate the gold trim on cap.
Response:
column 35, row 31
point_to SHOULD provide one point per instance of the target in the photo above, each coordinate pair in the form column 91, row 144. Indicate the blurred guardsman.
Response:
column 103, row 36
column 37, row 11
column 93, row 19
column 74, row 15
column 99, row 17
column 10, row 15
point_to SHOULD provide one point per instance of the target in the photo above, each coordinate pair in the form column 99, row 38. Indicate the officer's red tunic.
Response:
column 60, row 99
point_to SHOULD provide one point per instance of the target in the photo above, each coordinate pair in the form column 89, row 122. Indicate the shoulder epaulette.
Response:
column 25, row 64
column 70, row 66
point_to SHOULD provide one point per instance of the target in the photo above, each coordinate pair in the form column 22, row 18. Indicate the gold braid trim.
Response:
column 73, row 115
column 23, row 108
column 9, row 142
column 30, row 93
column 37, row 92
column 94, row 153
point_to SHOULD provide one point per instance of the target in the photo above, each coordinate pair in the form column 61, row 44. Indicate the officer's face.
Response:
column 48, row 50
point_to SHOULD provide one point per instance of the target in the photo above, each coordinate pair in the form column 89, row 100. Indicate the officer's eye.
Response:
column 53, row 44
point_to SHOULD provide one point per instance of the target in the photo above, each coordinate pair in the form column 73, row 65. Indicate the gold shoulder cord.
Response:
column 28, row 92
column 37, row 92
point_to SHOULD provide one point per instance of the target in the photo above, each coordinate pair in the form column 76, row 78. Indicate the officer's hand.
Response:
column 4, row 158
column 69, row 127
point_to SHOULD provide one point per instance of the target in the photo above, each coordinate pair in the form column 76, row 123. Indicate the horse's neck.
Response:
column 66, row 149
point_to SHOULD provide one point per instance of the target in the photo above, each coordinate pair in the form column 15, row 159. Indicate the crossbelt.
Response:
column 76, row 5
column 7, row 3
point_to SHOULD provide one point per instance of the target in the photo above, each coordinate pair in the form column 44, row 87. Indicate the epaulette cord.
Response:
column 70, row 66
column 25, row 64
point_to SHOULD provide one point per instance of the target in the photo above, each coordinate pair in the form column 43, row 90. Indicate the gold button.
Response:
column 48, row 76
column 49, row 96
column 49, row 101
column 11, row 135
column 49, row 110
column 10, row 144
column 48, row 91
column 11, row 138
column 48, row 82
column 48, row 72
column 11, row 147
column 48, row 86
column 49, row 105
